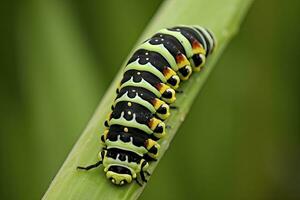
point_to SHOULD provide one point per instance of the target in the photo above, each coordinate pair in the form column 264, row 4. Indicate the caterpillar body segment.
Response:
column 131, row 139
column 155, row 106
column 137, row 116
column 157, row 61
column 145, row 98
column 150, row 80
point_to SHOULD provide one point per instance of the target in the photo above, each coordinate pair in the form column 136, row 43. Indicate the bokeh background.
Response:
column 58, row 57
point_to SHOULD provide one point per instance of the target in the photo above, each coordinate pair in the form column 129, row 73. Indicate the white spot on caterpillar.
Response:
column 129, row 112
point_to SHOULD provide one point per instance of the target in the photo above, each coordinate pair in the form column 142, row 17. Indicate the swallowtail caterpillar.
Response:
column 148, row 87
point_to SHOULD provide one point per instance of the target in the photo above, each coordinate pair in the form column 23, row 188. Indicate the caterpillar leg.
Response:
column 174, row 107
column 90, row 166
column 179, row 91
column 143, row 176
column 97, row 164
column 137, row 181
column 168, row 127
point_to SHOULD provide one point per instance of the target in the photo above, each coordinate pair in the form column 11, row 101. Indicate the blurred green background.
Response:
column 58, row 57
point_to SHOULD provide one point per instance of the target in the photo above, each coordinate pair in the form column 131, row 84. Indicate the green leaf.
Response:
column 223, row 17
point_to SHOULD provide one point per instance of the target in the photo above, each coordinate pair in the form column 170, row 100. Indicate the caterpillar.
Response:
column 150, row 81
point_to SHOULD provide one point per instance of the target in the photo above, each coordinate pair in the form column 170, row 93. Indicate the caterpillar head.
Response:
column 119, row 175
column 117, row 168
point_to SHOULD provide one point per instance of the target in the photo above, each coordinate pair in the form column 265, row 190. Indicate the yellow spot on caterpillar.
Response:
column 126, row 129
column 129, row 104
column 168, row 72
column 154, row 122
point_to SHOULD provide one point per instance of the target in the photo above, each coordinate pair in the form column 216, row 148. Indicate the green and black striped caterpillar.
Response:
column 150, row 79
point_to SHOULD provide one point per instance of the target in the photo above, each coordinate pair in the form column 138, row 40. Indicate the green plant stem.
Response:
column 223, row 17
